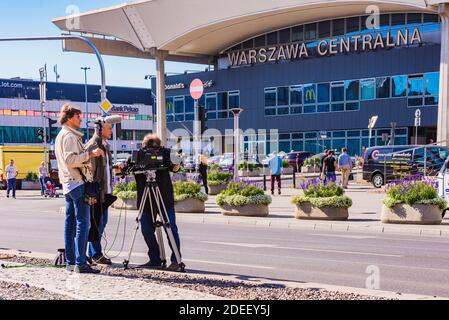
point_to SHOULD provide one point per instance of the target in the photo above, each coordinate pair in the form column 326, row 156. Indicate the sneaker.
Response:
column 151, row 265
column 90, row 261
column 86, row 269
column 176, row 267
column 103, row 261
column 7, row 196
column 70, row 268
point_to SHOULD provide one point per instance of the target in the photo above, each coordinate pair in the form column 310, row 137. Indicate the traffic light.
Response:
column 40, row 134
column 202, row 116
column 52, row 130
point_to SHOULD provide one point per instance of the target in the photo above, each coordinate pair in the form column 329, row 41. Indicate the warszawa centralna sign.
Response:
column 355, row 43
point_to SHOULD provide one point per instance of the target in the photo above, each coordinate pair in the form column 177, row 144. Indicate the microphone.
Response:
column 110, row 120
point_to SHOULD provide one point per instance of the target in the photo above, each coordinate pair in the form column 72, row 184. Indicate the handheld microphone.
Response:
column 110, row 120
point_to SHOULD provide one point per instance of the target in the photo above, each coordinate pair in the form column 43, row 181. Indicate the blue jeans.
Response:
column 148, row 232
column 42, row 182
column 95, row 249
column 330, row 177
column 11, row 185
column 77, row 224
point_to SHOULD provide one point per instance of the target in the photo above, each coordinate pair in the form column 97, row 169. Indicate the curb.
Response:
column 259, row 281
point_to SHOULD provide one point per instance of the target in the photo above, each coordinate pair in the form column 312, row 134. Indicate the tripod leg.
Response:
column 157, row 229
column 167, row 226
column 138, row 219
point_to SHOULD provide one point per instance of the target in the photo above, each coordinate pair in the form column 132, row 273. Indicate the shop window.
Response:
column 432, row 83
column 355, row 133
column 383, row 87
column 415, row 85
column 211, row 101
column 234, row 99
column 297, row 136
column 222, row 101
column 310, row 135
column 297, row 145
column 179, row 105
column 309, row 94
column 189, row 104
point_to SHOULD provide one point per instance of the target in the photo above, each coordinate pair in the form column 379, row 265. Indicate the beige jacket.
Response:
column 71, row 155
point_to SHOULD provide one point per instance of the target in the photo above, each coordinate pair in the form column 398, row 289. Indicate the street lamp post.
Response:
column 236, row 112
column 87, row 101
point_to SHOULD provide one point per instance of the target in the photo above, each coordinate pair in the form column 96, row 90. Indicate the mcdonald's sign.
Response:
column 310, row 96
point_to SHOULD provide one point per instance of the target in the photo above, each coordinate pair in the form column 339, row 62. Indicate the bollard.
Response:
column 294, row 180
column 264, row 182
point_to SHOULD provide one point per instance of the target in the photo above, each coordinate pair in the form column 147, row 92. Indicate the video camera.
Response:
column 146, row 159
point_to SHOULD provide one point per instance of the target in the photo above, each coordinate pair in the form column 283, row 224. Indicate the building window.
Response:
column 234, row 99
column 324, row 29
column 352, row 90
column 309, row 94
column 272, row 38
column 283, row 96
column 431, row 83
column 296, row 95
column 368, row 89
column 415, row 90
column 323, row 92
column 310, row 31
column 398, row 86
column 383, row 87
column 270, row 97
column 298, row 33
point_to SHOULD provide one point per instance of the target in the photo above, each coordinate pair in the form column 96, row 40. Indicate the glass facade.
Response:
column 315, row 142
column 350, row 26
column 218, row 105
column 339, row 96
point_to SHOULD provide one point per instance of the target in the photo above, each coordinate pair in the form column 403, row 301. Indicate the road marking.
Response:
column 342, row 236
column 251, row 245
column 139, row 254
column 230, row 264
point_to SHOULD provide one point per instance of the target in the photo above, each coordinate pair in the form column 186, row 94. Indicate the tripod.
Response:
column 160, row 220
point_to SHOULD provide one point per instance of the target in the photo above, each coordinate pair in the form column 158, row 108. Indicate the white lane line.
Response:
column 342, row 236
column 251, row 245
column 139, row 254
column 230, row 264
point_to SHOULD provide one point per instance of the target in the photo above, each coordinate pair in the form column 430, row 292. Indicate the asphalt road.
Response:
column 405, row 264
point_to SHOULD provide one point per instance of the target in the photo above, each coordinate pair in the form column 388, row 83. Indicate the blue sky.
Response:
column 33, row 18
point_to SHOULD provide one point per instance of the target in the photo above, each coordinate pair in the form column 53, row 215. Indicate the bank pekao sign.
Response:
column 326, row 47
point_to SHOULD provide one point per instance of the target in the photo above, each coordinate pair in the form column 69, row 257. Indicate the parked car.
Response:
column 296, row 159
column 189, row 163
column 214, row 160
column 384, row 164
column 227, row 160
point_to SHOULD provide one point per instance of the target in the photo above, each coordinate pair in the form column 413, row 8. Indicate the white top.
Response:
column 70, row 186
column 11, row 172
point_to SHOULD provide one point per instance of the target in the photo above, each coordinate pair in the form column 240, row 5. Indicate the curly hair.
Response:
column 68, row 112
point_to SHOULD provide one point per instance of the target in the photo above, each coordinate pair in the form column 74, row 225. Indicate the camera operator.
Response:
column 153, row 143
column 102, row 174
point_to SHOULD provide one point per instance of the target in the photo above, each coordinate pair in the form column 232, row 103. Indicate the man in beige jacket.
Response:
column 73, row 169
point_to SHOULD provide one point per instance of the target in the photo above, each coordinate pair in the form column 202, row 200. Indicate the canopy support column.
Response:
column 161, row 125
column 443, row 105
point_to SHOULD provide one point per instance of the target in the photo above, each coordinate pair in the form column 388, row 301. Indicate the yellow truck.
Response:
column 26, row 159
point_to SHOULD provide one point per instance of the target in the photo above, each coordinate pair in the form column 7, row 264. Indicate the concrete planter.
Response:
column 245, row 211
column 416, row 214
column 307, row 211
column 310, row 170
column 30, row 185
column 190, row 206
column 288, row 170
column 253, row 173
column 214, row 190
column 130, row 204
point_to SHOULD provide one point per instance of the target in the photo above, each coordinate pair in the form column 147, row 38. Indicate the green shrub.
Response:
column 323, row 191
column 335, row 201
column 216, row 178
column 239, row 194
column 215, row 167
column 31, row 177
column 127, row 195
column 285, row 164
column 247, row 166
column 124, row 187
column 413, row 192
column 312, row 162
column 186, row 189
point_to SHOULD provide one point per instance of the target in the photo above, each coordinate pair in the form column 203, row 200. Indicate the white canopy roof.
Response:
column 197, row 30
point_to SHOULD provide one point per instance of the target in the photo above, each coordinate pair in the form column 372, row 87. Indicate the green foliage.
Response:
column 32, row 177
column 334, row 201
column 244, row 165
column 413, row 192
column 324, row 191
column 215, row 167
column 240, row 194
column 312, row 162
column 124, row 187
column 218, row 177
column 285, row 164
column 127, row 195
column 187, row 189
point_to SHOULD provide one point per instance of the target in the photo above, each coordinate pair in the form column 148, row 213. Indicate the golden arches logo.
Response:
column 310, row 95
